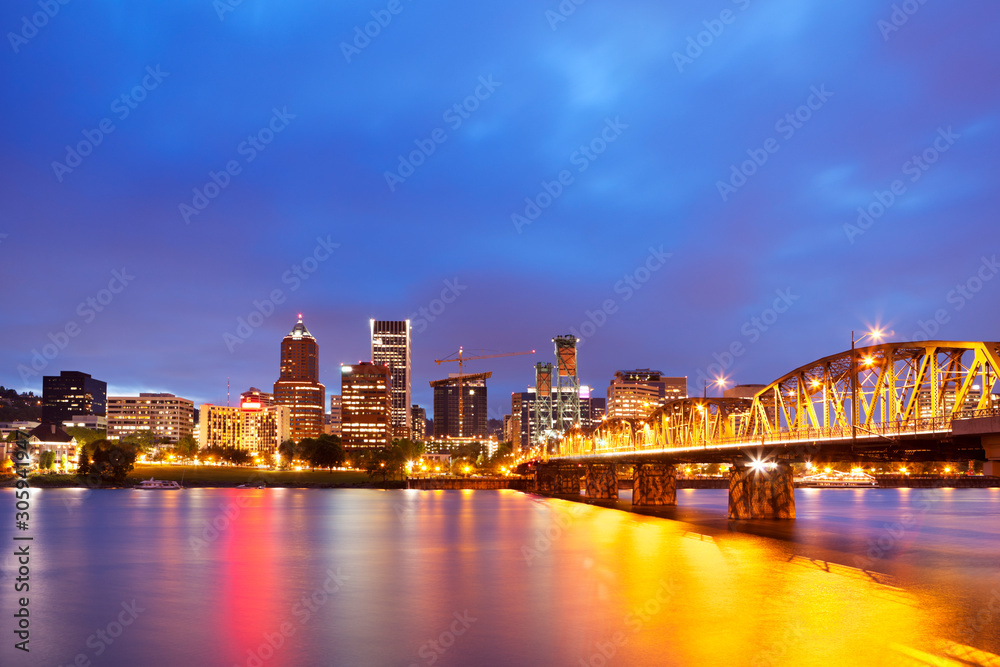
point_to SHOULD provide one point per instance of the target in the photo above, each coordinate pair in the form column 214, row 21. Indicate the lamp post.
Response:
column 875, row 335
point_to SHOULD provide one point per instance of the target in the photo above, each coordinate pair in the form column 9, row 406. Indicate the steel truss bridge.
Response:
column 929, row 400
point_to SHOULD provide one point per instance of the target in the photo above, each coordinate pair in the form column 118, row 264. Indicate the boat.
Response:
column 252, row 486
column 159, row 484
column 839, row 480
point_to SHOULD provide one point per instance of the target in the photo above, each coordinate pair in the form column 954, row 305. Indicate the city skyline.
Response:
column 696, row 211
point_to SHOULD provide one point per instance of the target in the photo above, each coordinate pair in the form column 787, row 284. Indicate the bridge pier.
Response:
column 602, row 481
column 761, row 493
column 991, row 445
column 654, row 484
column 545, row 479
column 568, row 481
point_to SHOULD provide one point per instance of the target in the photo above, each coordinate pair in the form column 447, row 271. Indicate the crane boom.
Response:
column 461, row 363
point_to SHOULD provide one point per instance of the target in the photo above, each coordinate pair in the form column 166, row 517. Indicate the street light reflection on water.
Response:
column 369, row 577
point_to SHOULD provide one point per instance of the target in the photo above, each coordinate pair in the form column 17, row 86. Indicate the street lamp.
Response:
column 876, row 335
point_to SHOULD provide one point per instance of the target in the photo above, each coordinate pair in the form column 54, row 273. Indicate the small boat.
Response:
column 159, row 484
column 252, row 486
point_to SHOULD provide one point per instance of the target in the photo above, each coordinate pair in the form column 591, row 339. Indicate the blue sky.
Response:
column 683, row 96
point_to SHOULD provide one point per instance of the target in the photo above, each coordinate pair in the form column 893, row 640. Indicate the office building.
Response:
column 418, row 423
column 446, row 408
column 169, row 418
column 634, row 394
column 251, row 426
column 366, row 406
column 70, row 394
column 334, row 420
column 298, row 385
column 391, row 347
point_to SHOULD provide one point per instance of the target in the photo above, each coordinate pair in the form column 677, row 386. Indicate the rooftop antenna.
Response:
column 227, row 391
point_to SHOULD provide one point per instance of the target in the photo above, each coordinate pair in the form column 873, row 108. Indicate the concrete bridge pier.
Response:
column 568, row 481
column 545, row 479
column 761, row 493
column 654, row 484
column 602, row 481
column 991, row 445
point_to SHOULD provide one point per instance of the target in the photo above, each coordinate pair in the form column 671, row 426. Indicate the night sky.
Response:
column 675, row 171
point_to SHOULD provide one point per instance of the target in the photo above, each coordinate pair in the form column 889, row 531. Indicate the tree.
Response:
column 326, row 452
column 186, row 447
column 384, row 463
column 85, row 436
column 287, row 451
column 109, row 462
column 46, row 460
column 141, row 441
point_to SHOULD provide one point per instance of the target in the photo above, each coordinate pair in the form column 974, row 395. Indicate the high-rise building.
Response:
column 298, row 384
column 474, row 416
column 255, row 395
column 636, row 393
column 251, row 426
column 169, row 418
column 72, row 393
column 366, row 406
column 335, row 420
column 514, row 431
column 418, row 423
column 391, row 347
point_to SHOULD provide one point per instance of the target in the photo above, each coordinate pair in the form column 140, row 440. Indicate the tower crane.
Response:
column 461, row 359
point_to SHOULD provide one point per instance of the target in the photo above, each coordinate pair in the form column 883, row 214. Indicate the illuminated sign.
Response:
column 250, row 405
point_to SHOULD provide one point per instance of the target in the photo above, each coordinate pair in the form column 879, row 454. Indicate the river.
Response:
column 368, row 577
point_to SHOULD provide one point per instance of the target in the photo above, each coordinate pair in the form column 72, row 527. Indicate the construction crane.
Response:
column 461, row 359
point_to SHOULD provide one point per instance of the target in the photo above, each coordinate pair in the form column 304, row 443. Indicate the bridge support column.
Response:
column 654, row 484
column 568, row 481
column 991, row 445
column 545, row 479
column 761, row 493
column 602, row 481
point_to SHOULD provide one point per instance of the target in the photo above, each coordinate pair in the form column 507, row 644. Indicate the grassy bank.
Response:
column 217, row 476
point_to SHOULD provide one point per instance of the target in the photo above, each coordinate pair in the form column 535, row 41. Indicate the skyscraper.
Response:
column 446, row 421
column 391, row 347
column 365, row 406
column 72, row 393
column 418, row 422
column 298, row 384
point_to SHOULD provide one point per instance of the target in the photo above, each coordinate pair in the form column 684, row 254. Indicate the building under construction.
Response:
column 446, row 406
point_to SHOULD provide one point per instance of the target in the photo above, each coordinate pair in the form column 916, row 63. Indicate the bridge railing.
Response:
column 888, row 431
column 975, row 414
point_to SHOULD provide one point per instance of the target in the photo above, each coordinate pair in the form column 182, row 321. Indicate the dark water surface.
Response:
column 368, row 577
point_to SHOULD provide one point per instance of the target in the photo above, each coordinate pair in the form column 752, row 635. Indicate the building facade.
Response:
column 251, row 427
column 335, row 419
column 634, row 394
column 446, row 412
column 366, row 406
column 298, row 384
column 48, row 437
column 70, row 394
column 391, row 347
column 418, row 423
column 169, row 418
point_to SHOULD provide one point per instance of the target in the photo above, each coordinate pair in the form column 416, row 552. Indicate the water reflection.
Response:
column 368, row 577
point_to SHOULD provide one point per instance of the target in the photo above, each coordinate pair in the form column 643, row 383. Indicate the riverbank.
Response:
column 203, row 476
